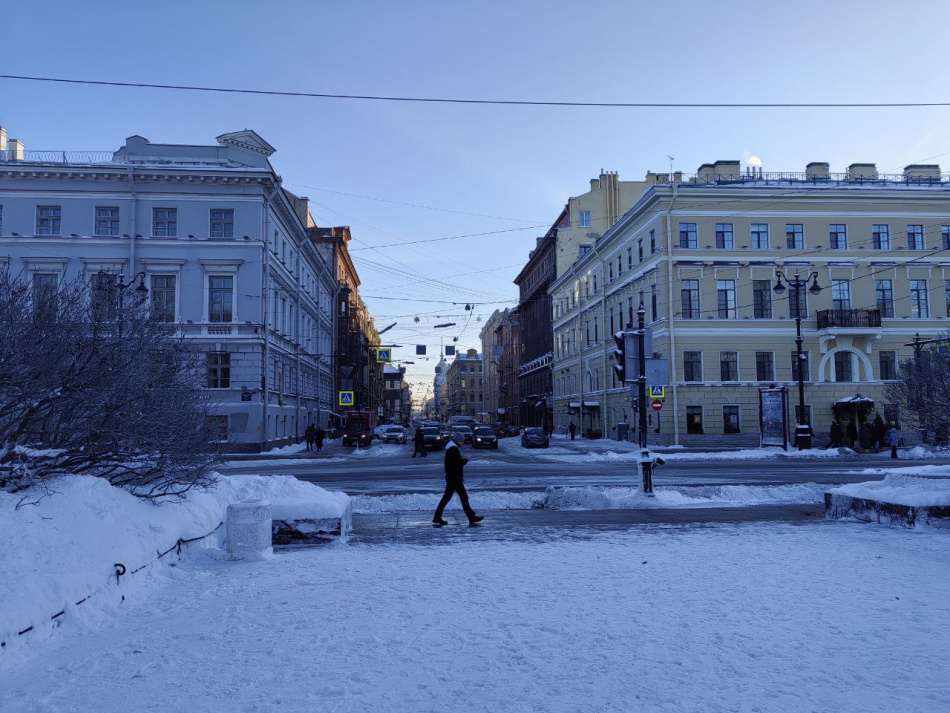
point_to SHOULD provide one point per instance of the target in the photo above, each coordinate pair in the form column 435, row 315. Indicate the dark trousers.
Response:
column 451, row 488
column 319, row 445
column 894, row 452
column 421, row 450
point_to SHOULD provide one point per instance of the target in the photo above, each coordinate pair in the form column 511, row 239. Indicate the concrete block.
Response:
column 249, row 528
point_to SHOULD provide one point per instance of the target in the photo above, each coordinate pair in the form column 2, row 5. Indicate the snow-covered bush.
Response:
column 91, row 384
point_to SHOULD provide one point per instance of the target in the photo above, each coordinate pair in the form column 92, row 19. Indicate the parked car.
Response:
column 461, row 434
column 433, row 439
column 535, row 438
column 484, row 437
column 500, row 430
column 394, row 434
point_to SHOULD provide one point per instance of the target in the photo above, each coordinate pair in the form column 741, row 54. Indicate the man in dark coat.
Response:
column 837, row 435
column 419, row 443
column 318, row 435
column 573, row 429
column 454, row 463
column 308, row 435
column 851, row 432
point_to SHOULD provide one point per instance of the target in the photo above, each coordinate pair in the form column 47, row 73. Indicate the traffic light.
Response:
column 620, row 354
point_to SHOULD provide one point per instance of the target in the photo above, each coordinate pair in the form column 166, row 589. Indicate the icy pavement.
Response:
column 750, row 617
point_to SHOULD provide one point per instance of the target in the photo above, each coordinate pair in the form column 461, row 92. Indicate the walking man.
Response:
column 318, row 435
column 573, row 429
column 454, row 463
column 309, row 435
column 419, row 443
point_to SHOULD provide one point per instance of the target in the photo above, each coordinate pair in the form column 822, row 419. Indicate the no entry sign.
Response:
column 657, row 404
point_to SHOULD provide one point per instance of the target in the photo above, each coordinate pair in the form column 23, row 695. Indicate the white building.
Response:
column 222, row 248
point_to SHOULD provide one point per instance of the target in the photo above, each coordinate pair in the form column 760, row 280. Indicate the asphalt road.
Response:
column 514, row 470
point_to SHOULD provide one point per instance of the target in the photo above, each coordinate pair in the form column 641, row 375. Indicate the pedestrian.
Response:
column 877, row 434
column 893, row 438
column 309, row 435
column 573, row 429
column 864, row 437
column 852, row 434
column 454, row 463
column 837, row 434
column 419, row 443
column 318, row 435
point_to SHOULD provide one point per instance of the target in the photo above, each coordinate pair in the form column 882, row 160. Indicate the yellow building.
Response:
column 702, row 254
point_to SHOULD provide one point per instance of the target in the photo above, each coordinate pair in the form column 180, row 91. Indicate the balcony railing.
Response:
column 849, row 318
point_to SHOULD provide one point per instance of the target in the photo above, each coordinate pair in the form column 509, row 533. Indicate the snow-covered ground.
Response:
column 763, row 617
column 902, row 489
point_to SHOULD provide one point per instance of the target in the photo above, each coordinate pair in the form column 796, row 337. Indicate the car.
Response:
column 357, row 434
column 500, row 430
column 535, row 438
column 393, row 434
column 484, row 437
column 432, row 438
column 333, row 432
column 461, row 434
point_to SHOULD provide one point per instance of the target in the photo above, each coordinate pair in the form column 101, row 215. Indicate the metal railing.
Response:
column 58, row 157
column 849, row 318
column 836, row 179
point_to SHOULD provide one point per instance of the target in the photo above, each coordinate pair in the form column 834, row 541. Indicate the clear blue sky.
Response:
column 518, row 164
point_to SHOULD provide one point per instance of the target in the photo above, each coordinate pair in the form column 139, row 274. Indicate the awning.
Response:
column 856, row 399
column 587, row 404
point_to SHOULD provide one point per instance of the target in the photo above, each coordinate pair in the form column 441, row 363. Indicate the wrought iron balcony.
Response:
column 849, row 318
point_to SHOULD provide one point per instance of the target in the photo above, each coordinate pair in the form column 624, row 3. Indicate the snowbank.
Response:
column 631, row 456
column 899, row 489
column 63, row 549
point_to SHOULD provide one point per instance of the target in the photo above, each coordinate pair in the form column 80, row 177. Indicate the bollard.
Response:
column 249, row 528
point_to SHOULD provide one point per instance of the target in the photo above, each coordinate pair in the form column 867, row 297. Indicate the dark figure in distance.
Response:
column 318, row 435
column 878, row 433
column 852, row 432
column 837, row 434
column 864, row 437
column 309, row 436
column 573, row 429
column 419, row 443
column 893, row 438
column 454, row 463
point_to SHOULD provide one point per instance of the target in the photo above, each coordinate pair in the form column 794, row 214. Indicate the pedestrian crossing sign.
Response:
column 346, row 398
column 657, row 392
column 384, row 356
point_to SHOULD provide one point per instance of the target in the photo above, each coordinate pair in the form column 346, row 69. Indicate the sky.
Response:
column 403, row 172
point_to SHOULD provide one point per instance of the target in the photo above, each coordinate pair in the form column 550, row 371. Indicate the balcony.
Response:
column 849, row 318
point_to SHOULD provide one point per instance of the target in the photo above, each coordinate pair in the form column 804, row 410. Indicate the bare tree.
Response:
column 924, row 386
column 90, row 384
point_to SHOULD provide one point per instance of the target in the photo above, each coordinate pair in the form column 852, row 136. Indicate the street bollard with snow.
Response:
column 249, row 528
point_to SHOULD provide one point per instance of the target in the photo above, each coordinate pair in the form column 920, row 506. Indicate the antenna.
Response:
column 671, row 165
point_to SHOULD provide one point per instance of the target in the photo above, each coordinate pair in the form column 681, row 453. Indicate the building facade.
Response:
column 490, row 363
column 508, row 350
column 702, row 255
column 221, row 247
column 464, row 385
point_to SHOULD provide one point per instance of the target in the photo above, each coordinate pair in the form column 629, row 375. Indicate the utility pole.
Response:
column 646, row 462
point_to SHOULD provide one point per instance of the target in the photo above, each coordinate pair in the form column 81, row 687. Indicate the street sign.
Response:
column 384, row 356
column 657, row 404
column 346, row 398
column 657, row 392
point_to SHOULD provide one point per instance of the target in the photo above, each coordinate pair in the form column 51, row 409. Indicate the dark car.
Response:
column 484, row 437
column 357, row 434
column 500, row 430
column 534, row 438
column 433, row 439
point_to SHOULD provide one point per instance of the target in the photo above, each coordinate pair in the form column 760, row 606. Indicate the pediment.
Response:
column 248, row 140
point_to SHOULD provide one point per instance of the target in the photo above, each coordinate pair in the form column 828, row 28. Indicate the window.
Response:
column 107, row 221
column 694, row 419
column 220, row 298
column 760, row 236
column 843, row 366
column 915, row 237
column 918, row 299
column 163, row 298
column 841, row 294
column 583, row 219
column 764, row 366
column 585, row 248
column 945, row 236
column 610, row 272
column 947, row 290
column 105, row 296
column 726, row 292
column 222, row 223
column 692, row 366
column 165, row 222
column 45, row 287
column 884, row 294
column 806, row 367
column 1, row 220
column 888, row 365
column 881, row 237
column 838, row 236
column 620, row 263
column 652, row 241
column 48, row 219
column 629, row 253
column 687, row 236
column 653, row 305
column 728, row 366
column 794, row 235
column 730, row 419
column 724, row 236
column 595, row 283
column 689, row 296
column 797, row 304
column 640, row 250
column 219, row 370
column 762, row 299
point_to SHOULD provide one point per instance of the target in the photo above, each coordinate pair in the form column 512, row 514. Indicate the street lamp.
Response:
column 797, row 285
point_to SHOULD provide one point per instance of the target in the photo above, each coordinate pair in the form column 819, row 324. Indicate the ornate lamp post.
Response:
column 796, row 284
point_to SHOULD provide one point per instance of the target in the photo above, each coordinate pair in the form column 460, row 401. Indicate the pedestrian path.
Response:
column 417, row 528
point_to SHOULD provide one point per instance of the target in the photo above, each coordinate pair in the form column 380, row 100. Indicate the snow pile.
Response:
column 64, row 548
column 260, row 464
column 605, row 498
column 379, row 450
column 899, row 489
column 632, row 456
column 917, row 452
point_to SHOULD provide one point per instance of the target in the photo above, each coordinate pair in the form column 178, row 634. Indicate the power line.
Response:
column 496, row 102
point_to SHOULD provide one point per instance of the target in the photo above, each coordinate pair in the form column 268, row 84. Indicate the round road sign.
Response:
column 657, row 404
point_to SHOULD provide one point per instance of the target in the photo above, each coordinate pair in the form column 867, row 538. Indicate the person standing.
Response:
column 454, row 463
column 309, row 436
column 573, row 429
column 852, row 434
column 318, row 435
column 893, row 438
column 419, row 443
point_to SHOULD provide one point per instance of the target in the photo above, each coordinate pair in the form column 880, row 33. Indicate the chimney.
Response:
column 922, row 173
column 706, row 173
column 726, row 170
column 817, row 171
column 15, row 150
column 594, row 184
column 862, row 172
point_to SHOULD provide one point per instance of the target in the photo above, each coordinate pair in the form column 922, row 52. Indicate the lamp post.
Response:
column 796, row 284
